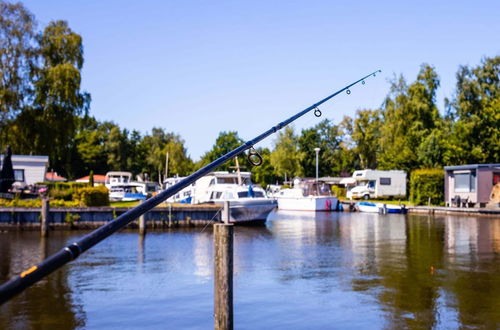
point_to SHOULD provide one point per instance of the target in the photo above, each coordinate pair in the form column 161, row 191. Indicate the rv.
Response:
column 378, row 184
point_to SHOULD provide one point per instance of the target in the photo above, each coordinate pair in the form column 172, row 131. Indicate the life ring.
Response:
column 328, row 204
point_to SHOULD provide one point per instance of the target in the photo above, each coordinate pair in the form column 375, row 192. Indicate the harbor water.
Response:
column 300, row 271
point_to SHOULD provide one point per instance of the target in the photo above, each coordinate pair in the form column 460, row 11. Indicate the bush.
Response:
column 92, row 196
column 339, row 192
column 425, row 183
column 36, row 203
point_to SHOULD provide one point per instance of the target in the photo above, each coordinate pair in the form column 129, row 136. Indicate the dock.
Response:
column 176, row 215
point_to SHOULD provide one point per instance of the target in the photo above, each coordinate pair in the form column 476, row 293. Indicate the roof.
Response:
column 470, row 167
column 52, row 176
column 28, row 158
column 97, row 178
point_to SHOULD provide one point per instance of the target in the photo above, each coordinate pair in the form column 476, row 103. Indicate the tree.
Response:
column 225, row 142
column 57, row 92
column 475, row 113
column 365, row 135
column 18, row 56
column 287, row 157
column 409, row 115
column 264, row 174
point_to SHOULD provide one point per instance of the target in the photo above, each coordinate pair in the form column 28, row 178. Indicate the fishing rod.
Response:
column 32, row 275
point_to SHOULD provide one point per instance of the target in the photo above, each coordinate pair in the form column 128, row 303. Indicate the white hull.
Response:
column 368, row 207
column 250, row 210
column 310, row 203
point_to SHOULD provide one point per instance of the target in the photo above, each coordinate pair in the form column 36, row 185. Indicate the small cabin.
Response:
column 28, row 170
column 470, row 185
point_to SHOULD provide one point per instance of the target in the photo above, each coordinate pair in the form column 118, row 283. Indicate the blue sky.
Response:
column 197, row 68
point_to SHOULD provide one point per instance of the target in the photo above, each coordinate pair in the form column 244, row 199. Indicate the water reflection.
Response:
column 49, row 303
column 303, row 270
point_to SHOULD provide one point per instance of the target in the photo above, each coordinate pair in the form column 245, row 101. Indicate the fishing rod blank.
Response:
column 32, row 275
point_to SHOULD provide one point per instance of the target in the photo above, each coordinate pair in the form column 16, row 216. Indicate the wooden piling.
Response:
column 223, row 276
column 44, row 226
column 142, row 224
column 225, row 212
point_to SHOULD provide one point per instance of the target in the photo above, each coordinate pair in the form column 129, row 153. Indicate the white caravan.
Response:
column 378, row 184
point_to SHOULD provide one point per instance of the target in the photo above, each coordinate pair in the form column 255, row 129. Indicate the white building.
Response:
column 28, row 170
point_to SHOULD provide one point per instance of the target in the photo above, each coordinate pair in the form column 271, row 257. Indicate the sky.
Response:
column 197, row 68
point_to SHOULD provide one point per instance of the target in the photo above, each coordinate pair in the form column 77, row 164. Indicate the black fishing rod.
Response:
column 32, row 275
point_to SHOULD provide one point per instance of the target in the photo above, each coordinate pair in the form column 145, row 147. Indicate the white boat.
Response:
column 126, row 193
column 248, row 203
column 184, row 196
column 369, row 207
column 308, row 195
column 121, row 188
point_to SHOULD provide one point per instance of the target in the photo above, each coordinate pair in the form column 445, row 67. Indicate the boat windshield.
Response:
column 244, row 194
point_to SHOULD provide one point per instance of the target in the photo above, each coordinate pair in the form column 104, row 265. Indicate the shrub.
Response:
column 92, row 196
column 425, row 184
column 339, row 192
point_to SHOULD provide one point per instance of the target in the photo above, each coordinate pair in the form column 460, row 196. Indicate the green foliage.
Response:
column 339, row 192
column 36, row 203
column 475, row 113
column 71, row 218
column 410, row 114
column 225, row 142
column 92, row 196
column 18, row 55
column 264, row 174
column 91, row 178
column 287, row 157
column 425, row 184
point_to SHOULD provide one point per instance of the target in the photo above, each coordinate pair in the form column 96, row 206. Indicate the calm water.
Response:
column 301, row 271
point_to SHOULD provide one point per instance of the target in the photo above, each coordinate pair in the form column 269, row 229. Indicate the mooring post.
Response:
column 44, row 226
column 223, row 276
column 169, row 215
column 142, row 224
column 225, row 212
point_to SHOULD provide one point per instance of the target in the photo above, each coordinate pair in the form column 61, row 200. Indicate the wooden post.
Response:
column 223, row 276
column 44, row 226
column 226, row 212
column 169, row 215
column 142, row 224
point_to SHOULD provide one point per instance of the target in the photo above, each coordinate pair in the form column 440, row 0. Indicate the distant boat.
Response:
column 308, row 195
column 380, row 208
column 121, row 188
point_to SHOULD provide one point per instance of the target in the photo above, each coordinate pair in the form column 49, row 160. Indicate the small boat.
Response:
column 308, row 195
column 126, row 193
column 369, row 207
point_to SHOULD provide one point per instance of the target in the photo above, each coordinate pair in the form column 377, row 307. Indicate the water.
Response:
column 301, row 271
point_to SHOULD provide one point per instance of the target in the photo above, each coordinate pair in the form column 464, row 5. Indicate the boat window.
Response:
column 227, row 180
column 229, row 195
column 259, row 194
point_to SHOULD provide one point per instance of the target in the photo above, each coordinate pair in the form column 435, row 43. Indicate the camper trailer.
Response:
column 378, row 184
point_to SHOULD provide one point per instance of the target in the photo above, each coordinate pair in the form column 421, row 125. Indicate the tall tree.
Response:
column 287, row 157
column 225, row 142
column 365, row 135
column 18, row 56
column 475, row 112
column 410, row 114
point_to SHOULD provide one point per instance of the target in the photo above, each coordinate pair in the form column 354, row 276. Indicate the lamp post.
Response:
column 317, row 160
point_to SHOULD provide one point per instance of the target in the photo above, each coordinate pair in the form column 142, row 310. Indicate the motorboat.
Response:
column 370, row 207
column 121, row 188
column 185, row 196
column 308, row 195
column 248, row 203
column 126, row 193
